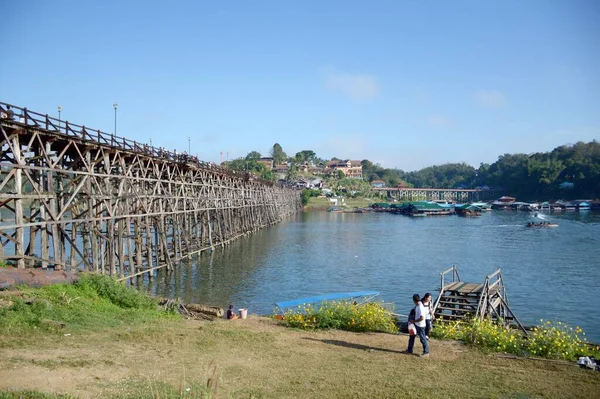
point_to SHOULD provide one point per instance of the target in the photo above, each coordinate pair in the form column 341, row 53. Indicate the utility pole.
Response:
column 115, row 105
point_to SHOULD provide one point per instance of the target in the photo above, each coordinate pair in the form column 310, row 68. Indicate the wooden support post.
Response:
column 18, row 187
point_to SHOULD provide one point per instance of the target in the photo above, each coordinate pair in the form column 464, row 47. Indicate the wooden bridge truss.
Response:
column 73, row 198
column 459, row 300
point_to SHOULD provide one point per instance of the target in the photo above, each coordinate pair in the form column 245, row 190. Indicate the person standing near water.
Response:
column 429, row 315
column 420, row 324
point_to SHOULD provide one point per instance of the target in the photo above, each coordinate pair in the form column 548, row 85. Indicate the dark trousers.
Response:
column 427, row 327
column 422, row 338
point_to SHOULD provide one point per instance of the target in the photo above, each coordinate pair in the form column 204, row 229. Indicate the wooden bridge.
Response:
column 459, row 300
column 74, row 198
column 438, row 194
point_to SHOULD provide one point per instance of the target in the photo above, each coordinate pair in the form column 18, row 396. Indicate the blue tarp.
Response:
column 327, row 297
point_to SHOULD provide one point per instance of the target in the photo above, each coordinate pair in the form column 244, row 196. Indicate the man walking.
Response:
column 419, row 321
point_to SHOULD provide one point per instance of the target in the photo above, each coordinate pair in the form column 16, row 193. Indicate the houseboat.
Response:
column 484, row 206
column 425, row 208
column 583, row 205
column 503, row 202
column 467, row 210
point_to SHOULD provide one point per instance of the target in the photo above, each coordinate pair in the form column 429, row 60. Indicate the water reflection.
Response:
column 549, row 273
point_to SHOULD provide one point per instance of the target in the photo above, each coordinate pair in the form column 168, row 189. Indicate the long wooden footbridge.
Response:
column 74, row 198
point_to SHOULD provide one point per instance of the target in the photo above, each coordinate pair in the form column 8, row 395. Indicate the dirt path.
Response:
column 257, row 358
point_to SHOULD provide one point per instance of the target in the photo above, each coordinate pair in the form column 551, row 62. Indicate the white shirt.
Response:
column 420, row 311
column 427, row 311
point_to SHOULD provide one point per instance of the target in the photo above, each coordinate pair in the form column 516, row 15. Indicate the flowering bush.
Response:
column 485, row 334
column 558, row 340
column 342, row 315
column 550, row 340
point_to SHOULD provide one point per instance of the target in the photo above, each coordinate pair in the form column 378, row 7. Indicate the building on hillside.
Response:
column 351, row 169
column 315, row 170
column 315, row 183
column 302, row 183
column 282, row 168
column 268, row 162
column 304, row 167
column 378, row 184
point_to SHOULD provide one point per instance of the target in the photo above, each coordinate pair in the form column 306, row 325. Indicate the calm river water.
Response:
column 549, row 273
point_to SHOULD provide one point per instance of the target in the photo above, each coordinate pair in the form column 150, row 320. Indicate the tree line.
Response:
column 526, row 176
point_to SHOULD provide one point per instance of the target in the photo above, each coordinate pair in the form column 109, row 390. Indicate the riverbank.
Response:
column 89, row 347
column 323, row 203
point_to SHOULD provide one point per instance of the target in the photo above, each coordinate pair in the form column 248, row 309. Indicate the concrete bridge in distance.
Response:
column 461, row 195
column 74, row 198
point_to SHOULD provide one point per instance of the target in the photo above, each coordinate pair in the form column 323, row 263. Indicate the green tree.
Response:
column 292, row 173
column 340, row 174
column 306, row 156
column 253, row 156
column 277, row 154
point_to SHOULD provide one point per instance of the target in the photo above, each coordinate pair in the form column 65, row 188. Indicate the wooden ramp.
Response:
column 459, row 300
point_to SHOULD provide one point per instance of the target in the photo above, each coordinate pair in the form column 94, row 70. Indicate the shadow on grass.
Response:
column 351, row 345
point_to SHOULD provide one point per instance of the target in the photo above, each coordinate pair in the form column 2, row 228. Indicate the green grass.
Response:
column 94, row 302
column 117, row 343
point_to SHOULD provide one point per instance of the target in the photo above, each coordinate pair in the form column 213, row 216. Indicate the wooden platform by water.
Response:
column 459, row 300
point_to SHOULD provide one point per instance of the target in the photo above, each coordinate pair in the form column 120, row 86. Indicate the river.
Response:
column 550, row 274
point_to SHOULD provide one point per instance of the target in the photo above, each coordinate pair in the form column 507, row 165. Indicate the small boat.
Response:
column 359, row 297
column 541, row 225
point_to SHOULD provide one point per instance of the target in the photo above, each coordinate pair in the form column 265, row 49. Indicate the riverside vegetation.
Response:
column 533, row 176
column 98, row 338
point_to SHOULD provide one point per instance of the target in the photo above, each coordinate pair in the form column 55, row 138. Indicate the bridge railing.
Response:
column 27, row 118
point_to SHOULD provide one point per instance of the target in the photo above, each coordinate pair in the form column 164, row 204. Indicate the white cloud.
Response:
column 490, row 98
column 439, row 121
column 358, row 87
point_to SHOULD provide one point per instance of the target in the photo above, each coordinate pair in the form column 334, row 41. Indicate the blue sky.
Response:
column 406, row 84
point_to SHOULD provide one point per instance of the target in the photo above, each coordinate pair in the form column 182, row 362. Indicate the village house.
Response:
column 378, row 184
column 282, row 168
column 268, row 162
column 351, row 169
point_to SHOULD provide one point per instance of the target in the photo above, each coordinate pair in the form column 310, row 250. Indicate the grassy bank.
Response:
column 84, row 341
column 322, row 203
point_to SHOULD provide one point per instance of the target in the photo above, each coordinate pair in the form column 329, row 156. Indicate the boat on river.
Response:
column 541, row 225
column 358, row 297
column 468, row 210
